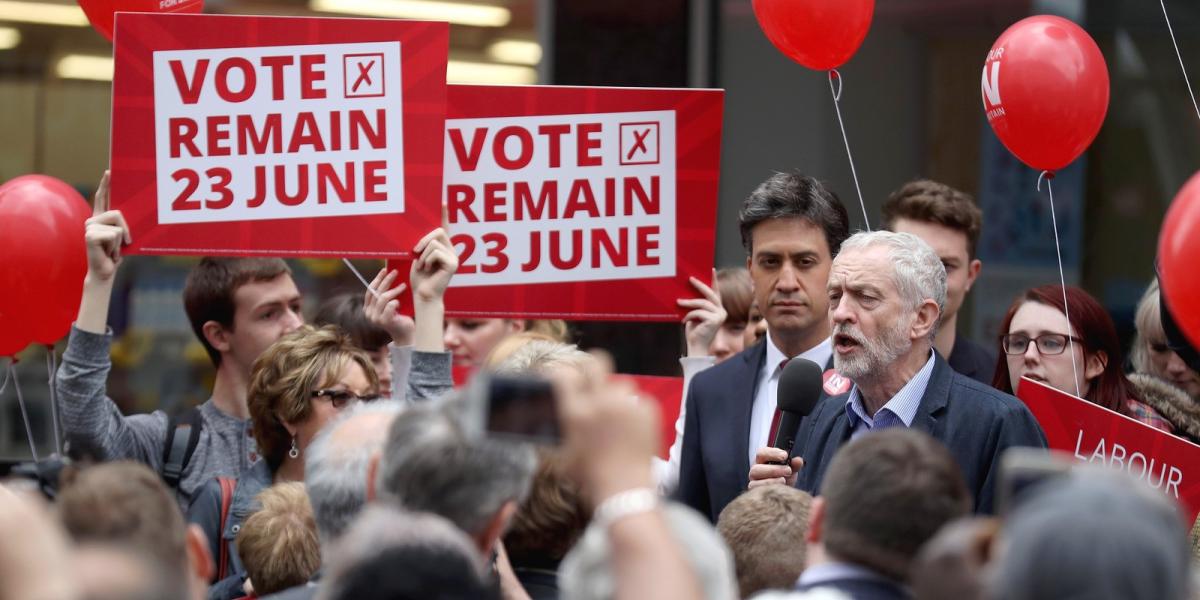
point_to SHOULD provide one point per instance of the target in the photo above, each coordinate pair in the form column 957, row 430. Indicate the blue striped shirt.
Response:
column 899, row 411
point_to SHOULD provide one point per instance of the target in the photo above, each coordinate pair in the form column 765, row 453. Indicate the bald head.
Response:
column 338, row 461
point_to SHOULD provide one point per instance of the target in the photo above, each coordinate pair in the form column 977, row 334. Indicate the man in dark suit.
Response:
column 791, row 227
column 885, row 495
column 886, row 291
column 950, row 222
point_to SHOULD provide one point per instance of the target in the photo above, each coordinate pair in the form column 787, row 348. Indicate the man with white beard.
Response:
column 886, row 294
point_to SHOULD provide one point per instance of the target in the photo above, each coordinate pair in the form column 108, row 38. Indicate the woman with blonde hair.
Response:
column 297, row 386
column 1166, row 382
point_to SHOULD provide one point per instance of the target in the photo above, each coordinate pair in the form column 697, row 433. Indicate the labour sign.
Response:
column 277, row 136
column 580, row 203
column 1093, row 434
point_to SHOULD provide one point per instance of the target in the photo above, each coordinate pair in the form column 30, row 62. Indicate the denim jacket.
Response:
column 205, row 511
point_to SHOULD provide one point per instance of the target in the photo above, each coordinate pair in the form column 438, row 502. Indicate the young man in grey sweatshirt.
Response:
column 238, row 308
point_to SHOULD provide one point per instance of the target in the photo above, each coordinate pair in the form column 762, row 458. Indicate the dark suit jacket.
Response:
column 714, row 464
column 861, row 589
column 972, row 360
column 976, row 422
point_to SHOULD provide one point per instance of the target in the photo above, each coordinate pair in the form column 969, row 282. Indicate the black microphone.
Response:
column 798, row 392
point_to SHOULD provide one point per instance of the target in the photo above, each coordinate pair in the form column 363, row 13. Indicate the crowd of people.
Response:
column 337, row 460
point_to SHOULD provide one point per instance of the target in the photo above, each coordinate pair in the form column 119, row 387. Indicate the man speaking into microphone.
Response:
column 886, row 294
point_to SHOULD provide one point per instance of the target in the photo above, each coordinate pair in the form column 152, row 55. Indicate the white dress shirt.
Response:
column 766, row 398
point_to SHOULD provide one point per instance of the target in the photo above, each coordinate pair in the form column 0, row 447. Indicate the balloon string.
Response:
column 836, row 92
column 1047, row 175
column 360, row 277
column 52, row 369
column 1179, row 56
column 4, row 386
column 24, row 414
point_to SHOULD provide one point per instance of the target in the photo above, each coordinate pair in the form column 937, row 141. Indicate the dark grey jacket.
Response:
column 977, row 423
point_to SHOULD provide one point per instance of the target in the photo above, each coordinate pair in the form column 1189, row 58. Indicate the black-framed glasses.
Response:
column 342, row 398
column 1048, row 343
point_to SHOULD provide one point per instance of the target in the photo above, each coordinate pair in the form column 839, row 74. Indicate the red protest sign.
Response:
column 277, row 136
column 1097, row 435
column 580, row 203
column 667, row 393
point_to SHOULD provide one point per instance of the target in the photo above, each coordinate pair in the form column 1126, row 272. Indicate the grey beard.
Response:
column 876, row 356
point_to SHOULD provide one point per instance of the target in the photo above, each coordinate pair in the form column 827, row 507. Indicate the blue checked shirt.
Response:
column 898, row 412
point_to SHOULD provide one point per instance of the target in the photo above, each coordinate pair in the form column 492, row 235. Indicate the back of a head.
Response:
column 278, row 543
column 210, row 286
column 116, row 572
column 587, row 573
column 795, row 196
column 128, row 504
column 430, row 465
column 540, row 357
column 765, row 528
column 1095, row 535
column 552, row 517
column 337, row 463
column 885, row 495
column 346, row 311
column 389, row 554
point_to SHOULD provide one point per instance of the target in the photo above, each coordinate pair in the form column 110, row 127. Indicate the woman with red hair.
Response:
column 1083, row 359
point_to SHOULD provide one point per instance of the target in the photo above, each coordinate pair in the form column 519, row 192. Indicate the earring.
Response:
column 294, row 452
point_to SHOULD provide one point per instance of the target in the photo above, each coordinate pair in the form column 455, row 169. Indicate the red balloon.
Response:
column 1045, row 91
column 101, row 12
column 819, row 34
column 43, row 256
column 1178, row 247
column 13, row 337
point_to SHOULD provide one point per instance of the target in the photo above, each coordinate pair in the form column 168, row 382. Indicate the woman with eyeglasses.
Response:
column 297, row 386
column 1083, row 360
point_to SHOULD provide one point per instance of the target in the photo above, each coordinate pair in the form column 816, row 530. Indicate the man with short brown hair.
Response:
column 762, row 528
column 126, row 504
column 950, row 222
column 885, row 495
column 237, row 307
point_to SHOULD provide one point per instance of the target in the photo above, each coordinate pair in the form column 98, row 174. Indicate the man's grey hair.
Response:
column 337, row 461
column 381, row 528
column 917, row 271
column 586, row 572
column 430, row 464
column 1093, row 534
column 539, row 356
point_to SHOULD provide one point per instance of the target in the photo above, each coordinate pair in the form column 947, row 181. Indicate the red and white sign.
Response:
column 580, row 203
column 1094, row 434
column 667, row 393
column 277, row 136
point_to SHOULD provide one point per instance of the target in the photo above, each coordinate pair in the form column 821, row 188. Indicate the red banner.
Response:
column 277, row 136
column 580, row 203
column 1094, row 434
column 667, row 393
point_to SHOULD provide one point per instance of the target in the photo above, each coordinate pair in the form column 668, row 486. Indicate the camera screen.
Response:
column 522, row 408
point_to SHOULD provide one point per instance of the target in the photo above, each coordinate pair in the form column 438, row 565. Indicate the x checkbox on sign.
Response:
column 363, row 75
column 639, row 143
